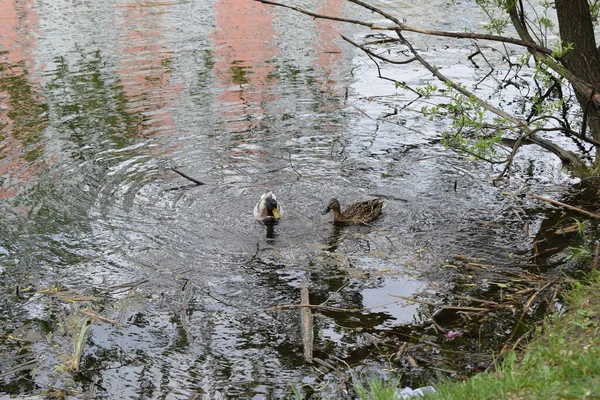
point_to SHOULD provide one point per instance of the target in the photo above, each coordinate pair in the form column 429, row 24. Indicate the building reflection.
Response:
column 326, row 45
column 145, row 69
column 22, row 111
column 244, row 53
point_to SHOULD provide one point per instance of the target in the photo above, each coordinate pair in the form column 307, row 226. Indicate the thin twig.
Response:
column 317, row 306
column 415, row 300
column 476, row 300
column 336, row 292
column 558, row 203
column 292, row 165
column 465, row 308
column 27, row 365
column 101, row 318
column 382, row 58
column 196, row 181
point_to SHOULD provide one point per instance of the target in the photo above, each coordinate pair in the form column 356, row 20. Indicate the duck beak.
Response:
column 275, row 212
column 326, row 210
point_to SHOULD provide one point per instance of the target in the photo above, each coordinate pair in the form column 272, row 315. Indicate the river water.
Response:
column 100, row 100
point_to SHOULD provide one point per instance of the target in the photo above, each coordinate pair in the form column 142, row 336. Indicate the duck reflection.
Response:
column 335, row 238
column 271, row 232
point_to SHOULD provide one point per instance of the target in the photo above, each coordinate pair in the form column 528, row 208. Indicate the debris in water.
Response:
column 408, row 393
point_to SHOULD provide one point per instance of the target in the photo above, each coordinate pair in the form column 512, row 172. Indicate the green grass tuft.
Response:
column 377, row 389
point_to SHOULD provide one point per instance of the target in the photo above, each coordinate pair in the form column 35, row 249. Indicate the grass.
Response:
column 377, row 389
column 562, row 361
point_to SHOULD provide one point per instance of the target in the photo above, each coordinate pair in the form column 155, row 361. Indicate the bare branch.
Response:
column 403, row 27
column 568, row 131
column 366, row 50
column 321, row 16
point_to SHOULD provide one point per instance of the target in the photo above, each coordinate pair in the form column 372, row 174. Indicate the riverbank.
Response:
column 561, row 361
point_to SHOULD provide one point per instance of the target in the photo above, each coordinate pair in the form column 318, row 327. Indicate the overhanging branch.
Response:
column 540, row 52
column 403, row 27
column 382, row 58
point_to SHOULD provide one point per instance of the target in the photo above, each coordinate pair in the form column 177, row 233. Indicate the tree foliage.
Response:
column 547, row 47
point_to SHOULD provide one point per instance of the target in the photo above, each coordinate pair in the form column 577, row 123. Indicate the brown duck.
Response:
column 355, row 214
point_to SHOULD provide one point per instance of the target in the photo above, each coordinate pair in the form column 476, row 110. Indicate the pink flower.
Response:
column 452, row 334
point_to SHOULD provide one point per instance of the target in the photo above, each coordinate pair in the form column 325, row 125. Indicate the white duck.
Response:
column 268, row 210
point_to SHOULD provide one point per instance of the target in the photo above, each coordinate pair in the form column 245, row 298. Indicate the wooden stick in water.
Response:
column 306, row 322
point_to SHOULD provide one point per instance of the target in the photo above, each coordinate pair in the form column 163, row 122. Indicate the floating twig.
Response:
column 101, row 318
column 318, row 306
column 196, row 181
column 124, row 286
column 80, row 298
column 336, row 309
column 412, row 361
column 324, row 363
column 336, row 292
column 27, row 365
column 476, row 300
column 429, row 303
column 465, row 308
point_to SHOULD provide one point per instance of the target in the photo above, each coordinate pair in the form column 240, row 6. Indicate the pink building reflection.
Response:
column 326, row 43
column 21, row 114
column 243, row 46
column 145, row 64
column 245, row 59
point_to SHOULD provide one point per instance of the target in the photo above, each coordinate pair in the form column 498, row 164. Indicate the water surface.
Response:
column 100, row 100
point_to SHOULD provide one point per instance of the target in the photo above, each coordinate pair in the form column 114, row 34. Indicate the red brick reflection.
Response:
column 21, row 115
column 243, row 45
column 326, row 43
column 145, row 69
